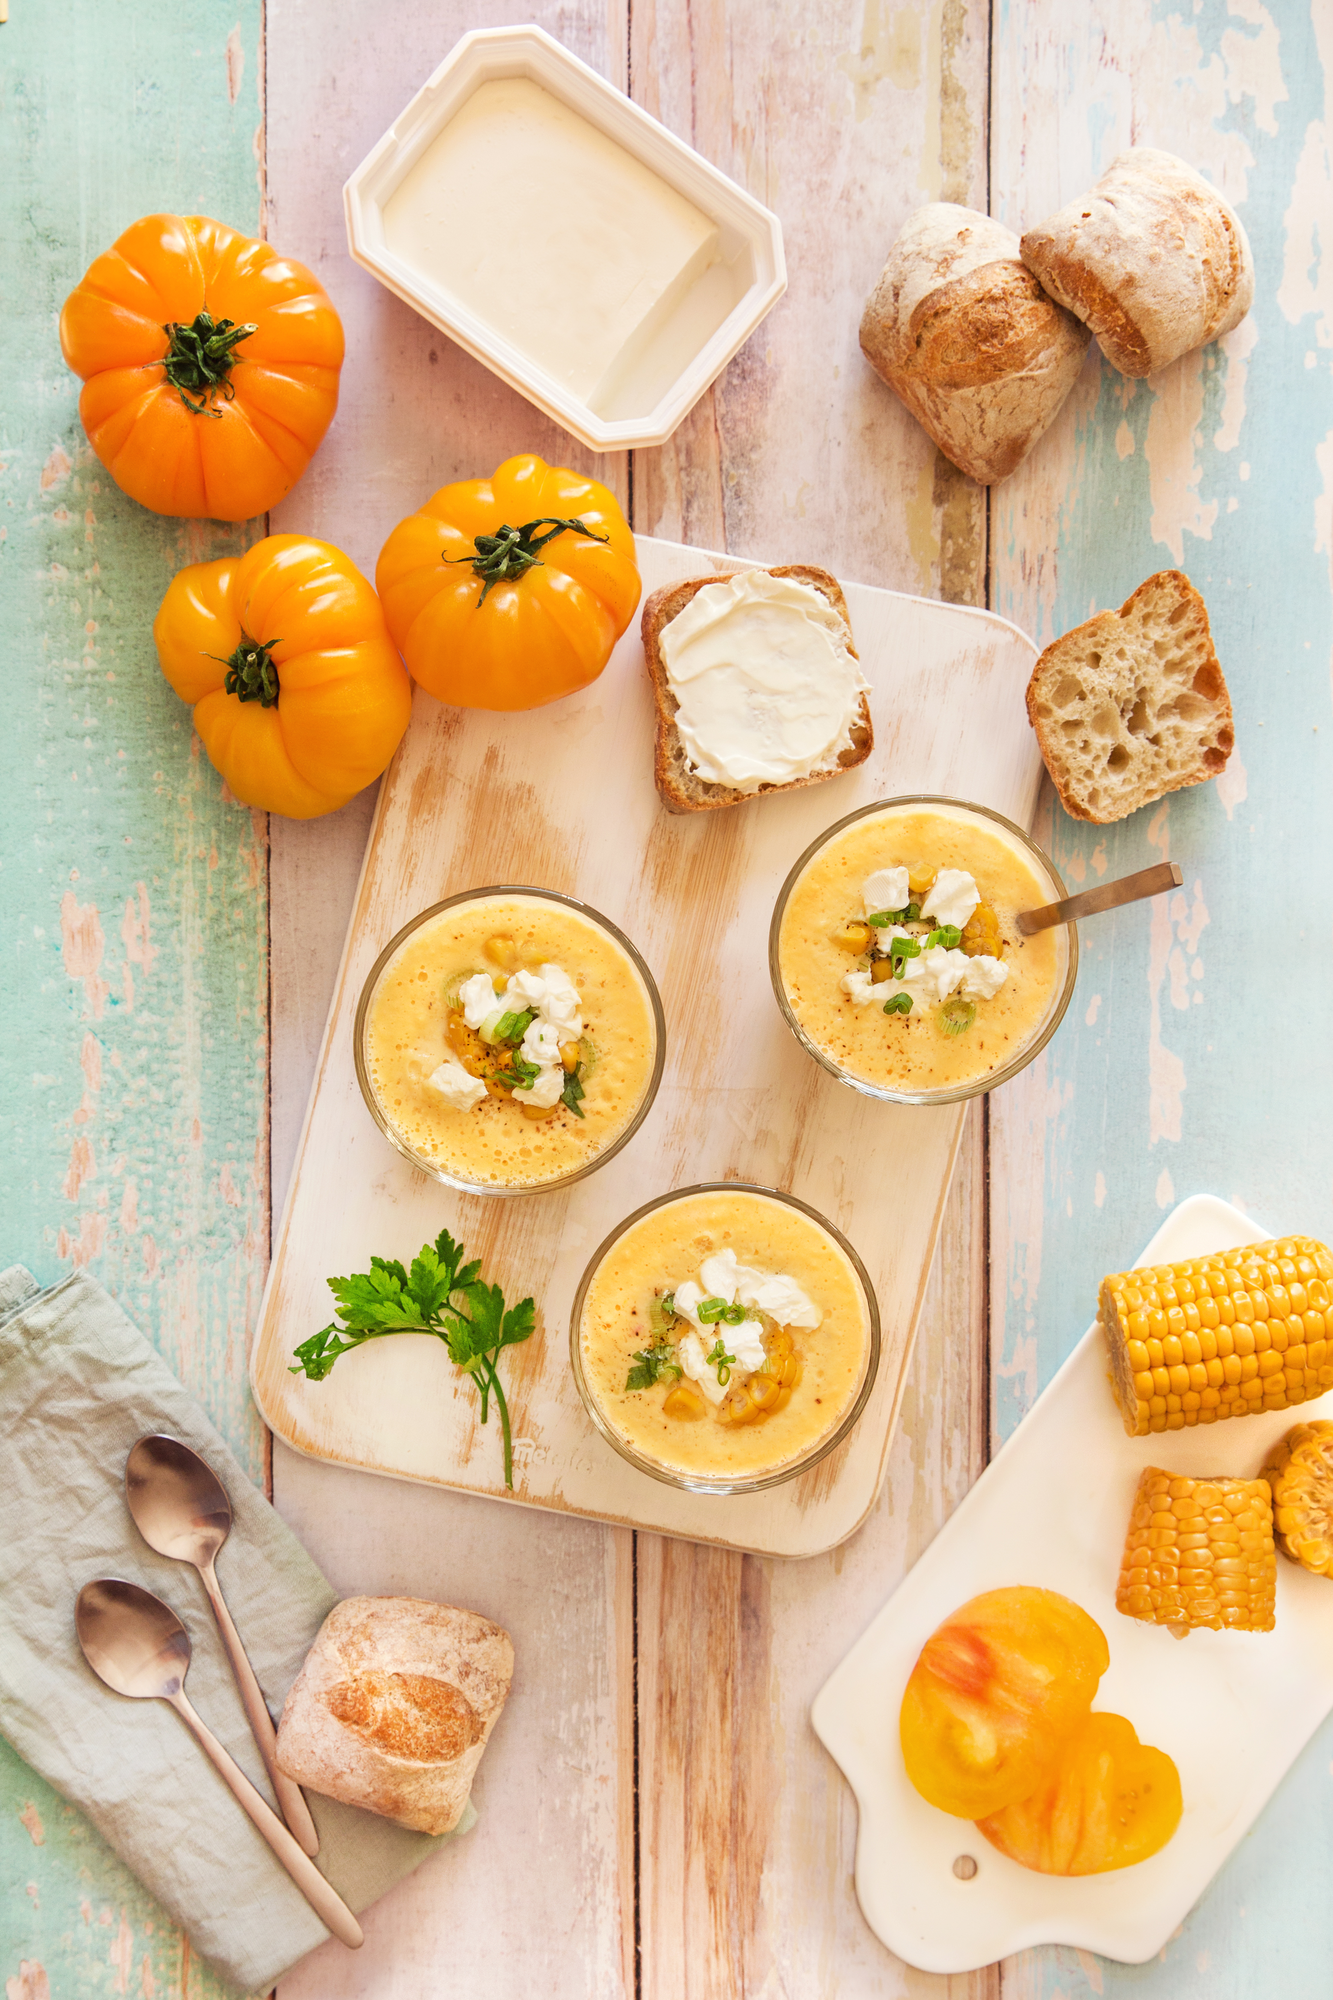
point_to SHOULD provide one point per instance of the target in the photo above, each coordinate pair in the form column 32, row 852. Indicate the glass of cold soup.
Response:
column 509, row 1040
column 725, row 1338
column 896, row 956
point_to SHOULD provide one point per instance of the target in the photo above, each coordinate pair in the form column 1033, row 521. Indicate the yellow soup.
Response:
column 406, row 1038
column 663, row 1249
column 912, row 1052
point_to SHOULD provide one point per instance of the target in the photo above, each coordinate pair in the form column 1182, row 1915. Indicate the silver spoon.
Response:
column 138, row 1646
column 1108, row 896
column 181, row 1509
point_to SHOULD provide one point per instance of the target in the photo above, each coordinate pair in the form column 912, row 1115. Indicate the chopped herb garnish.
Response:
column 662, row 1315
column 901, row 949
column 957, row 1015
column 512, row 1027
column 711, row 1310
column 722, row 1361
column 521, row 1076
column 654, row 1364
column 948, row 935
column 883, row 917
column 440, row 1295
column 901, row 1003
column 572, row 1094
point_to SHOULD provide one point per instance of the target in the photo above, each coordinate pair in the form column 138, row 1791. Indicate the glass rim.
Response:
column 779, row 1475
column 432, row 1167
column 959, row 1093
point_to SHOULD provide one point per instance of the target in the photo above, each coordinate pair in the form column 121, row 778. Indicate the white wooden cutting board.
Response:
column 563, row 798
column 1234, row 1709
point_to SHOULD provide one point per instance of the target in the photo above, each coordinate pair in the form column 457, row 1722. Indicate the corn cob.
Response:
column 1221, row 1336
column 1299, row 1470
column 1199, row 1552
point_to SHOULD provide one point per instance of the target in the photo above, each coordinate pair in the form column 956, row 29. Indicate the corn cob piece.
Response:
column 1299, row 1470
column 1199, row 1552
column 1221, row 1336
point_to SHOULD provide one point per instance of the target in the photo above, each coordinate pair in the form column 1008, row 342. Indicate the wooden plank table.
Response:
column 657, row 1818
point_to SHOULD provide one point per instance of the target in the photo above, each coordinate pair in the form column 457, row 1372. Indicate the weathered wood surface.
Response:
column 134, row 897
column 142, row 1026
column 1167, row 1079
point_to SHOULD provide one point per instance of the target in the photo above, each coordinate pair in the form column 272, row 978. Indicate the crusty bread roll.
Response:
column 1151, row 258
column 680, row 789
column 969, row 341
column 393, row 1706
column 1132, row 704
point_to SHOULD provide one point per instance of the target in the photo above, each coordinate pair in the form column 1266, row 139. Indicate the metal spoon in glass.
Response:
column 138, row 1646
column 1107, row 896
column 181, row 1509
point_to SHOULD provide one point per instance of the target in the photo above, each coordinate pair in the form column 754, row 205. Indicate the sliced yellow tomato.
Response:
column 1109, row 1801
column 994, row 1693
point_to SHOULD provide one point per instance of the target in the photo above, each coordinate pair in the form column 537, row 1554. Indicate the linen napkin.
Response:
column 78, row 1385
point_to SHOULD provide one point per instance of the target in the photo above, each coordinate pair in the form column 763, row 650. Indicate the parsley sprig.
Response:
column 440, row 1295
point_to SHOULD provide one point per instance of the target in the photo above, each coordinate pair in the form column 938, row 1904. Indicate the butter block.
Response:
column 550, row 232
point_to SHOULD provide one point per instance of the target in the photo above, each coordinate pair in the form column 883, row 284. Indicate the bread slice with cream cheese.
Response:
column 681, row 788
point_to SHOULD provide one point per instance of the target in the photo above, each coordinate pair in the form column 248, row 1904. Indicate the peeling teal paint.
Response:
column 133, row 1131
column 1244, row 1098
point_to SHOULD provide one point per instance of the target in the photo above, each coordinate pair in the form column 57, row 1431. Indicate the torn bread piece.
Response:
column 1132, row 704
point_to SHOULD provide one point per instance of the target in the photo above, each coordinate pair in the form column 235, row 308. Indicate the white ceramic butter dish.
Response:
column 593, row 261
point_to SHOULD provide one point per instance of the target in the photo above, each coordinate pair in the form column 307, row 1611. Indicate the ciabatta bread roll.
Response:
column 1151, row 258
column 969, row 341
column 393, row 1708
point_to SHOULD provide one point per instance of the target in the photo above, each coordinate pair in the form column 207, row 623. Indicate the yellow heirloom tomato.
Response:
column 1108, row 1802
column 210, row 366
column 510, row 591
column 299, row 696
column 995, row 1691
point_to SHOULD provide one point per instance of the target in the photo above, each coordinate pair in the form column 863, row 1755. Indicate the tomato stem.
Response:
column 252, row 674
column 199, row 361
column 511, row 551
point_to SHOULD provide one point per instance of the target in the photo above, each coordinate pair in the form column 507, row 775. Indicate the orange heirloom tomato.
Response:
column 210, row 366
column 1110, row 1801
column 299, row 695
column 510, row 591
column 994, row 1693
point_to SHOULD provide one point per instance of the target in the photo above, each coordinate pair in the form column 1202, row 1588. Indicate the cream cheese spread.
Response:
column 953, row 897
column 451, row 1081
column 886, row 889
column 771, row 1294
column 541, row 225
column 768, row 689
column 550, row 995
column 937, row 971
